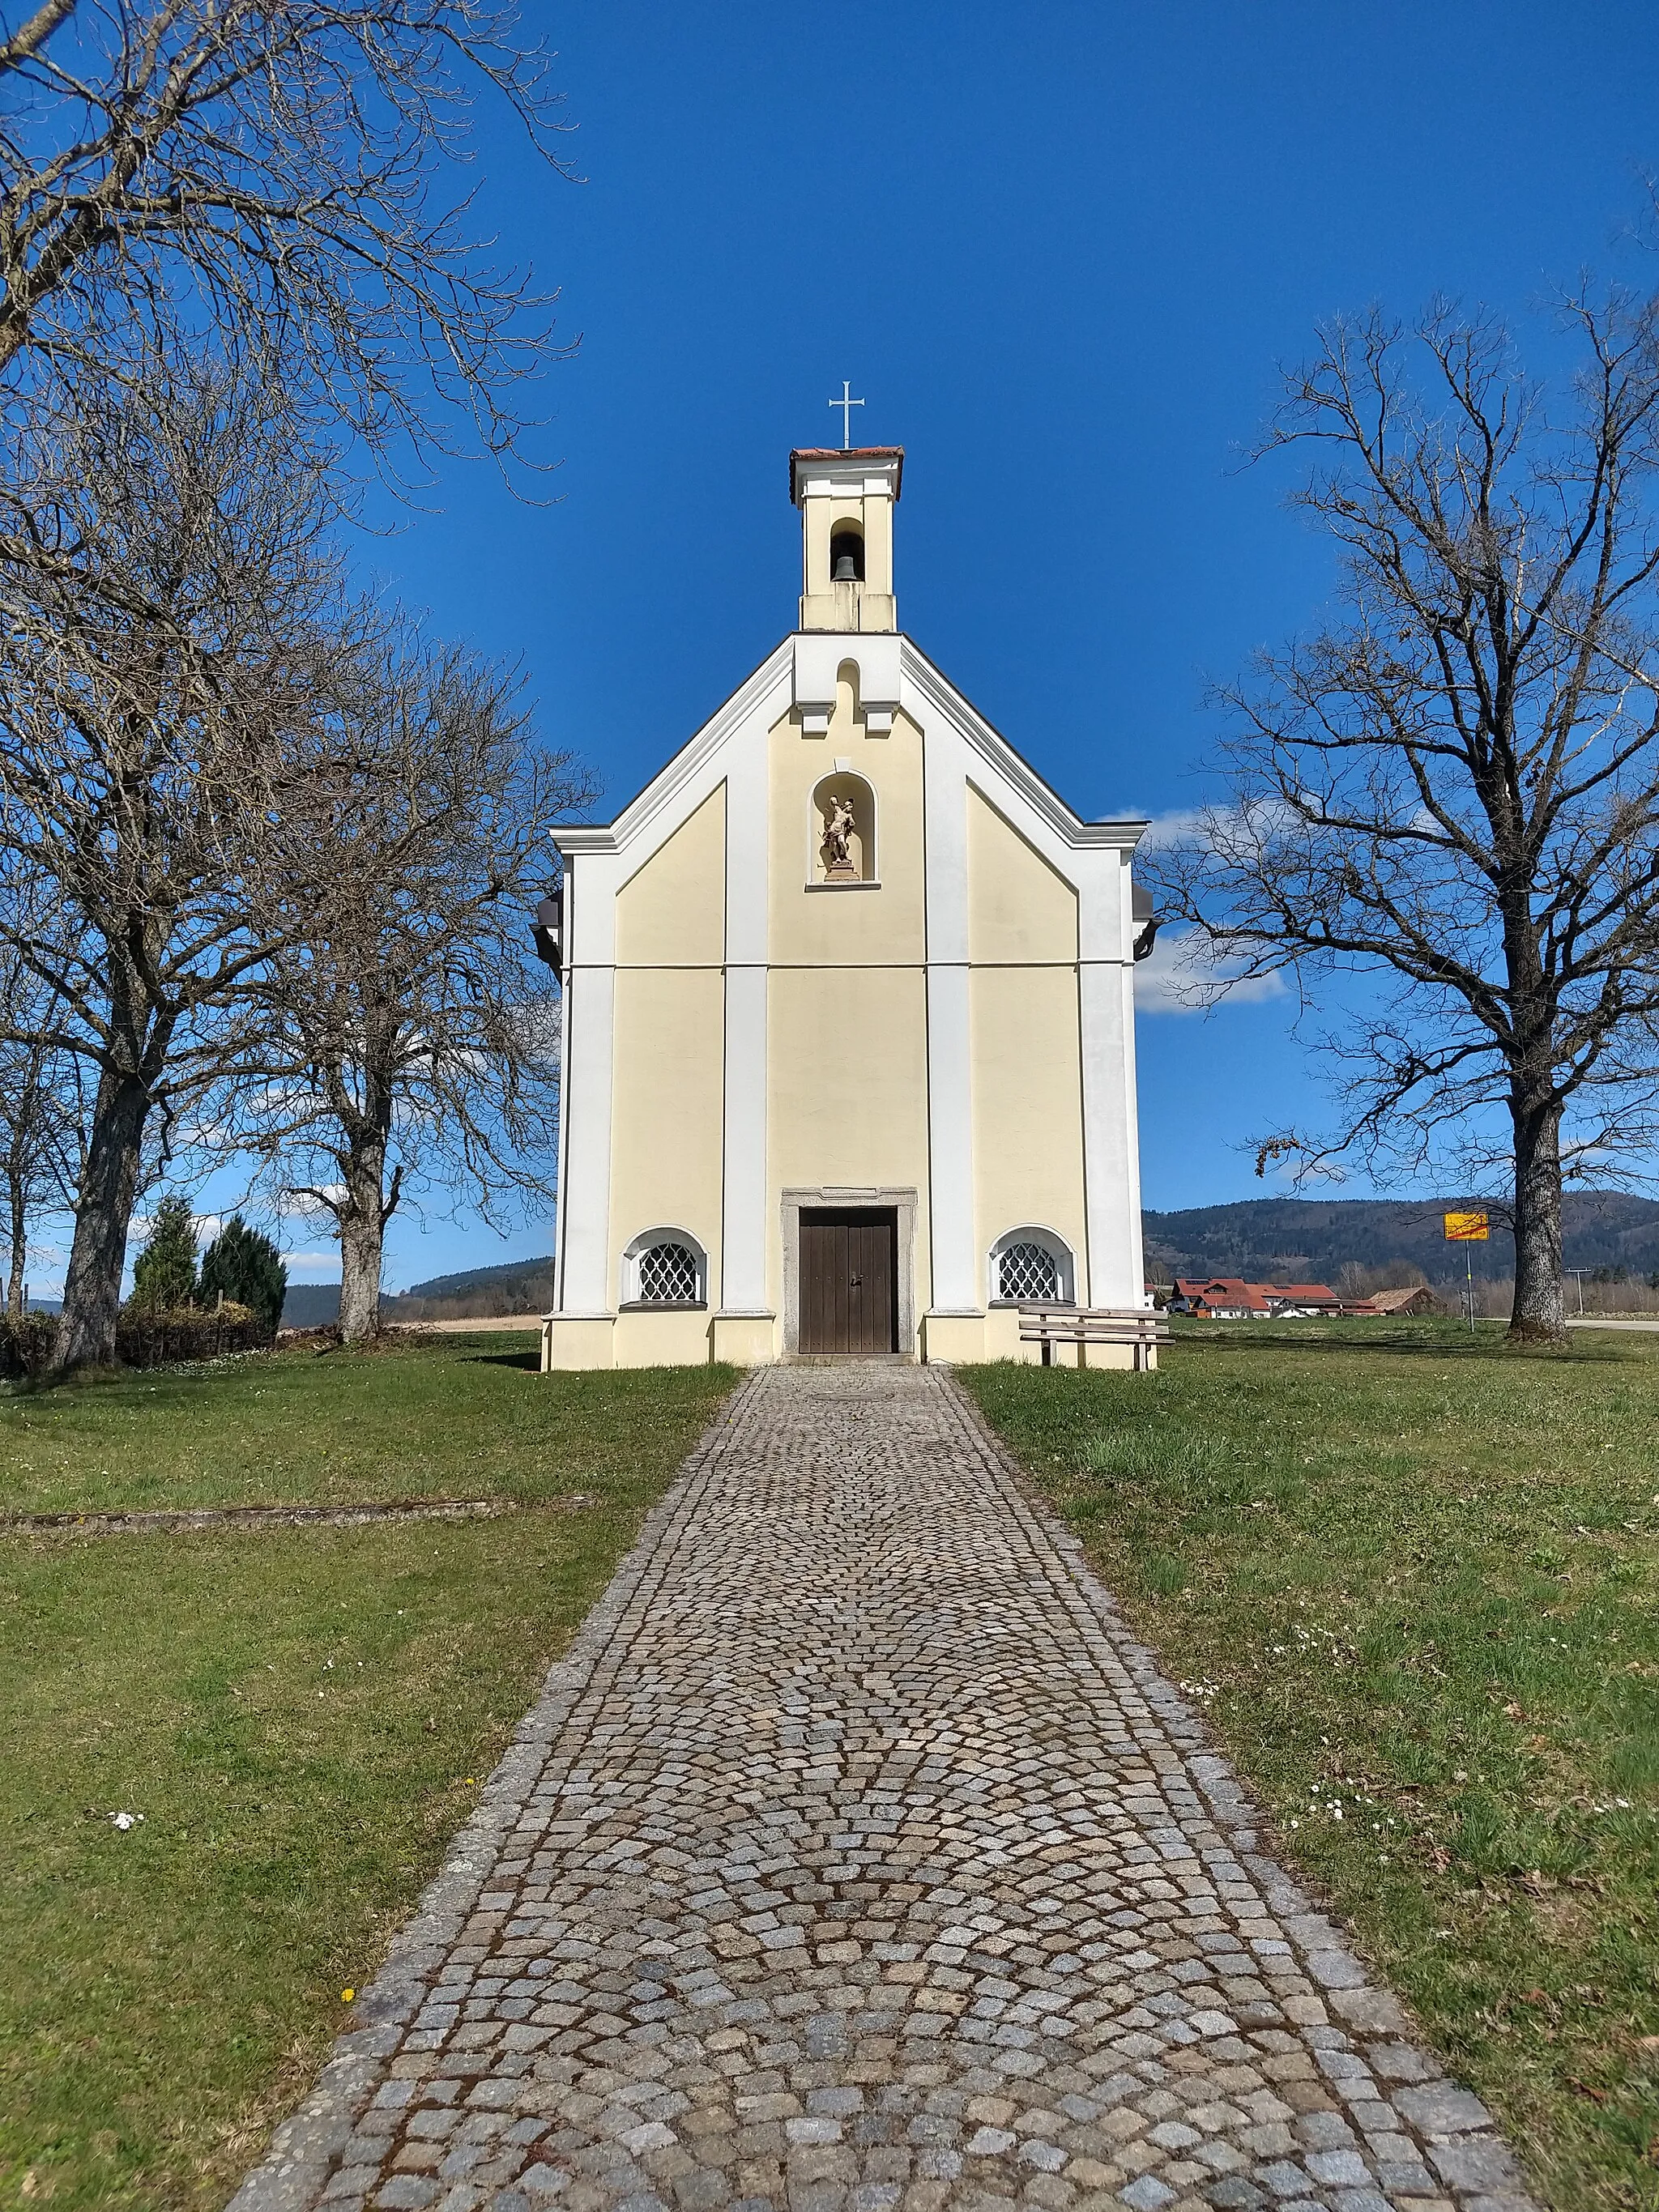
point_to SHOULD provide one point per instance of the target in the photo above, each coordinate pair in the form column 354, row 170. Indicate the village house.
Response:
column 1223, row 1298
column 1226, row 1297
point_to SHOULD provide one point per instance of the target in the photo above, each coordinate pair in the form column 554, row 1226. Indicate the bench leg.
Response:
column 1048, row 1353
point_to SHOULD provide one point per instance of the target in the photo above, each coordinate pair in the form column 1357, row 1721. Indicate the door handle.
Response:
column 855, row 1283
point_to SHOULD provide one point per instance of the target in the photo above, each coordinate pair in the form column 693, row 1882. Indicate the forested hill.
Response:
column 1310, row 1239
column 518, row 1286
column 1300, row 1239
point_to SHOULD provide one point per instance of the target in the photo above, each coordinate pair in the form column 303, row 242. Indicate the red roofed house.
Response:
column 1225, row 1297
column 1294, row 1301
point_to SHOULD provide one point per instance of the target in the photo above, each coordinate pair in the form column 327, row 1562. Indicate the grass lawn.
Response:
column 1413, row 1578
column 446, row 1418
column 302, row 1716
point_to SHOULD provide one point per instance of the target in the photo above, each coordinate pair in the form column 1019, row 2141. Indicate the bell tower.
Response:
column 847, row 498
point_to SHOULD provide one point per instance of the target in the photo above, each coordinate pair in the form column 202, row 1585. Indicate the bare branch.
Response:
column 1455, row 790
column 289, row 173
column 156, row 776
column 409, row 1037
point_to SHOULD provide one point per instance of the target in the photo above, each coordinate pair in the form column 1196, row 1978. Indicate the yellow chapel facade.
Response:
column 849, row 1011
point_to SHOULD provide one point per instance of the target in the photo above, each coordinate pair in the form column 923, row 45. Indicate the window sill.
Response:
column 863, row 883
column 664, row 1305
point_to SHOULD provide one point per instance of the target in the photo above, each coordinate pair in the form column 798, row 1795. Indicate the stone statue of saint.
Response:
column 838, row 832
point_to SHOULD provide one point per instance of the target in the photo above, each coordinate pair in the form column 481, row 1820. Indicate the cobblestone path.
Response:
column 856, row 1856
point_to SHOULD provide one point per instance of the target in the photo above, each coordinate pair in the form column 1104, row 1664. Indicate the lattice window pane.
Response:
column 1029, row 1274
column 668, row 1276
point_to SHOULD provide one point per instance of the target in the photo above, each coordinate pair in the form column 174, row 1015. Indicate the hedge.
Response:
column 155, row 1337
column 144, row 1337
column 25, row 1344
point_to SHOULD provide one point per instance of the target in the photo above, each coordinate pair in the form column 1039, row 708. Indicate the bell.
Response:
column 847, row 569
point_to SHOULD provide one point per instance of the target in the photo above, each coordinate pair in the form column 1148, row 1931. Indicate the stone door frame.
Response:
column 903, row 1203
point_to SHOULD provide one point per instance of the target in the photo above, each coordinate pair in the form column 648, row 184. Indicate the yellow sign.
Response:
column 1466, row 1228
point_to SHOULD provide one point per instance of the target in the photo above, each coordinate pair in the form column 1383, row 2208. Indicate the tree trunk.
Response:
column 363, row 1219
column 19, row 1247
column 103, row 1215
column 1539, row 1315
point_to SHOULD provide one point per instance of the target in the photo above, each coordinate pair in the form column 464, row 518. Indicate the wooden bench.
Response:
column 1140, row 1327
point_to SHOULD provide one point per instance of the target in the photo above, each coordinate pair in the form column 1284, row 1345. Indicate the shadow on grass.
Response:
column 529, row 1362
column 89, row 1376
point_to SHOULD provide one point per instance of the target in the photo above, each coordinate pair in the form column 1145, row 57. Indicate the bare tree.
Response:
column 287, row 174
column 40, row 1114
column 412, row 1039
column 157, row 772
column 1456, row 787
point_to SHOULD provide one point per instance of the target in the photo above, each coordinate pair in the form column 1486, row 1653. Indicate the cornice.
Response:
column 584, row 836
column 996, row 752
column 615, row 836
column 818, row 471
column 776, row 674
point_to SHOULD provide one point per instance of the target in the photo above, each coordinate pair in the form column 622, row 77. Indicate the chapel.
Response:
column 848, row 1011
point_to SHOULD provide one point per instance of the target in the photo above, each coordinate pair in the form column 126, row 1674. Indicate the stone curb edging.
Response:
column 180, row 1520
column 1352, row 2026
column 303, row 2145
column 1478, row 2169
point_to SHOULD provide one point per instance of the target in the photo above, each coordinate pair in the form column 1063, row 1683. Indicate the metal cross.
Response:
column 846, row 403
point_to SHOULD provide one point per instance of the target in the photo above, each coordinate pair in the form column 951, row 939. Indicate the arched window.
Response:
column 1031, row 1266
column 665, row 1268
column 847, row 556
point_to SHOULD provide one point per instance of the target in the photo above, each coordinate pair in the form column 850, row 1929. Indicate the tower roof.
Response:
column 846, row 457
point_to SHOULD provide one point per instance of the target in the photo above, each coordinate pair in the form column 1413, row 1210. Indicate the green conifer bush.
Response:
column 164, row 1275
column 245, row 1268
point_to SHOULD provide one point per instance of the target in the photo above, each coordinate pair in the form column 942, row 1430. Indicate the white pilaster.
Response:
column 744, row 1223
column 956, row 1286
column 1111, row 1169
column 1131, row 1098
column 585, row 1284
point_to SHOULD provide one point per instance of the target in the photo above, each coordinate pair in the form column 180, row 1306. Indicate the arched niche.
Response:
column 841, row 831
column 665, row 1268
column 1031, row 1266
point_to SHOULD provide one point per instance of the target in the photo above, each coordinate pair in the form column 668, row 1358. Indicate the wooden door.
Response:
column 849, row 1279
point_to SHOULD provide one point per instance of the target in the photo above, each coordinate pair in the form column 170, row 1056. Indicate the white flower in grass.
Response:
column 125, row 1820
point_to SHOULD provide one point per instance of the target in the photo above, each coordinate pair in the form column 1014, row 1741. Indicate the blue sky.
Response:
column 1059, row 250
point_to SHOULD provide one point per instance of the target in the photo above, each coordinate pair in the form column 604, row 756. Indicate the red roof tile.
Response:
column 1226, row 1290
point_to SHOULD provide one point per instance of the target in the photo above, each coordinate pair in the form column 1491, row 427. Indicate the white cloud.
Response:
column 1249, row 826
column 206, row 1225
column 312, row 1263
column 1182, row 827
column 1182, row 976
column 307, row 1207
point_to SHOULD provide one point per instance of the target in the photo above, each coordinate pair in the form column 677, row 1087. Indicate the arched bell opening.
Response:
column 842, row 829
column 846, row 555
